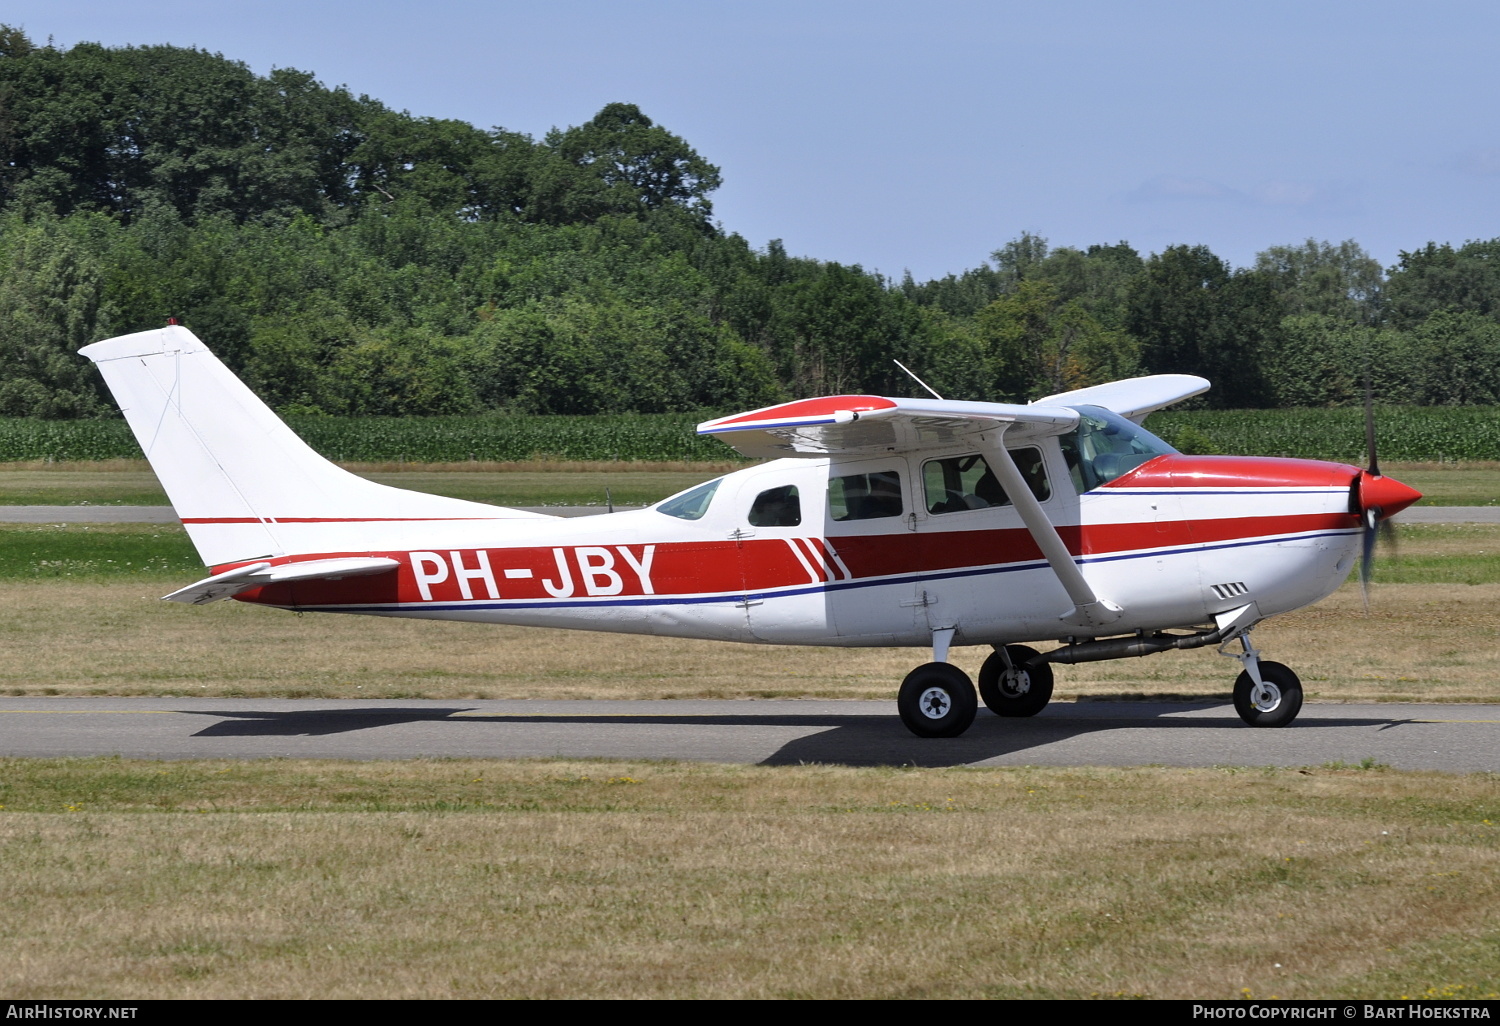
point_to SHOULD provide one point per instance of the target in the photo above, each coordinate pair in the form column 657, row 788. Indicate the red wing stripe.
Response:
column 826, row 406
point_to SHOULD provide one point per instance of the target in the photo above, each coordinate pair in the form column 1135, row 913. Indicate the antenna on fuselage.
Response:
column 918, row 380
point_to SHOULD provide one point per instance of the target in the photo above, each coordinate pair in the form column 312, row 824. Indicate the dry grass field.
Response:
column 1426, row 642
column 590, row 879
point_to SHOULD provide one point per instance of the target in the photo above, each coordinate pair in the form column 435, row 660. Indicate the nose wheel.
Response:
column 937, row 700
column 1272, row 702
column 1266, row 694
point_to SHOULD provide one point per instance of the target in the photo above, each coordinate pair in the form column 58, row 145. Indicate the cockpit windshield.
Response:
column 691, row 504
column 1105, row 446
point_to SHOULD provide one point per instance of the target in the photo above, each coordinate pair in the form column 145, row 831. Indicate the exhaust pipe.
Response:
column 1124, row 648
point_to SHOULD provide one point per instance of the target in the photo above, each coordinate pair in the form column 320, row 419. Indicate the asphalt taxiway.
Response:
column 1455, row 738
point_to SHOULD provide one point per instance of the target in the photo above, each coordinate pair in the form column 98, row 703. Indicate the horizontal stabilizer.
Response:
column 873, row 425
column 232, row 582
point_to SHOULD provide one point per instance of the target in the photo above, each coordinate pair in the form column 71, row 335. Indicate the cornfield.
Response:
column 1428, row 434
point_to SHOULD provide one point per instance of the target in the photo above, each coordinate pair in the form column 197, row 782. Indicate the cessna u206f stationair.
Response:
column 878, row 522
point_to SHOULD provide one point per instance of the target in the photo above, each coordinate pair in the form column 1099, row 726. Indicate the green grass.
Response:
column 1440, row 554
column 1450, row 484
column 97, row 551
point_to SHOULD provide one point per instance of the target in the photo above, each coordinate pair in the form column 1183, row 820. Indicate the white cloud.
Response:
column 1277, row 192
column 1287, row 194
column 1172, row 187
column 1484, row 163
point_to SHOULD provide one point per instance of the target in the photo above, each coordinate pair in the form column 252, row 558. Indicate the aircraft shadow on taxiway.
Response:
column 852, row 740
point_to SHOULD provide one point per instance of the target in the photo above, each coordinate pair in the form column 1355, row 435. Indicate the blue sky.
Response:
column 924, row 136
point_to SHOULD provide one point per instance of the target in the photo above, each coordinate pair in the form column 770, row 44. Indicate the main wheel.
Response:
column 937, row 700
column 1015, row 692
column 1275, row 705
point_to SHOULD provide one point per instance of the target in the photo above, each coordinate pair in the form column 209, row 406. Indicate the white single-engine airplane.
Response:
column 894, row 522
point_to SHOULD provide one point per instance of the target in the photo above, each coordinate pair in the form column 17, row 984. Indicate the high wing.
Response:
column 872, row 424
column 869, row 425
column 1134, row 398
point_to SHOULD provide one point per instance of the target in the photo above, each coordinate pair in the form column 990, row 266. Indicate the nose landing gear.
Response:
column 1266, row 694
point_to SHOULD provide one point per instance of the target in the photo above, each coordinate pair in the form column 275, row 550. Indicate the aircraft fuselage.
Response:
column 1173, row 542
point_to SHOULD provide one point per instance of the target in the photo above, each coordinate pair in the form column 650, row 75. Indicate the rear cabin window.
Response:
column 865, row 496
column 777, row 507
column 966, row 482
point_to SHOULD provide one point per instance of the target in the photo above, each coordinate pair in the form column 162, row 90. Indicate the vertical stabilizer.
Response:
column 234, row 472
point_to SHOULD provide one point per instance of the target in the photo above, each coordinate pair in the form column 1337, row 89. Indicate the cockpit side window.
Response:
column 967, row 482
column 1105, row 446
column 865, row 496
column 691, row 504
column 777, row 507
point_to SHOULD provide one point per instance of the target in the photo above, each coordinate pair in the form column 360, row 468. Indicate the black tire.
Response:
column 1017, row 693
column 937, row 700
column 1284, row 705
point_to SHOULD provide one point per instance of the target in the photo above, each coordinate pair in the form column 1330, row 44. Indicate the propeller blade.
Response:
column 1370, row 514
column 1390, row 538
column 1367, row 553
column 1370, row 427
column 1376, row 499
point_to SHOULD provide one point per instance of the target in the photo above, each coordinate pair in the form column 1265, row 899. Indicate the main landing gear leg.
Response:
column 1266, row 694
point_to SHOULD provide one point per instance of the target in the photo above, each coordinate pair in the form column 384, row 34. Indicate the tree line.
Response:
column 349, row 259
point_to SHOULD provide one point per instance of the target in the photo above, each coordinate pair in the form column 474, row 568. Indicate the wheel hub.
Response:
column 935, row 703
column 1015, row 683
column 1266, row 697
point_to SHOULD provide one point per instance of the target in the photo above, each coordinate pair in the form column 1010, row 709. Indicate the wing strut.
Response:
column 1089, row 610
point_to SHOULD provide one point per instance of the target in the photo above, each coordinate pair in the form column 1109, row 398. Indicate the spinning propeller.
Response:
column 1376, row 499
